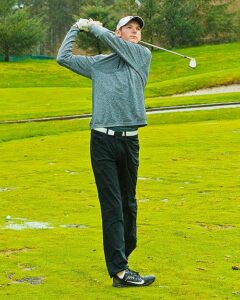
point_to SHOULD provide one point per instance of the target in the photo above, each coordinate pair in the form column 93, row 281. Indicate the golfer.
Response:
column 118, row 110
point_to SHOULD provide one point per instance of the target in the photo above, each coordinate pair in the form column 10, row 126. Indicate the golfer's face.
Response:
column 130, row 32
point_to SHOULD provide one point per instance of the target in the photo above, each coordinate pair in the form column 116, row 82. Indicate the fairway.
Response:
column 188, row 217
column 87, row 190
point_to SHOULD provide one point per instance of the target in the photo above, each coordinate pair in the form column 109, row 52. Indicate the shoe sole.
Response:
column 126, row 286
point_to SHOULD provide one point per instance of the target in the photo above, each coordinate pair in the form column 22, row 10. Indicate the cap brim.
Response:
column 126, row 20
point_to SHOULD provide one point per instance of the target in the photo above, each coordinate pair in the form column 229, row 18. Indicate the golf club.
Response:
column 138, row 3
column 192, row 63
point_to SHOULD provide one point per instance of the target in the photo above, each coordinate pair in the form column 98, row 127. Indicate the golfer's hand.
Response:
column 82, row 24
column 92, row 22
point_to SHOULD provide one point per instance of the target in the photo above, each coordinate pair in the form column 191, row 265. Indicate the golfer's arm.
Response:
column 77, row 63
column 134, row 54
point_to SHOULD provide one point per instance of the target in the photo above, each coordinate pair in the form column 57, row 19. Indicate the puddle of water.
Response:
column 22, row 223
column 71, row 172
column 27, row 225
column 5, row 189
column 149, row 178
column 165, row 200
column 143, row 200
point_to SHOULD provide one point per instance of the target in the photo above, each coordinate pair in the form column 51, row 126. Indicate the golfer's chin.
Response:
column 133, row 40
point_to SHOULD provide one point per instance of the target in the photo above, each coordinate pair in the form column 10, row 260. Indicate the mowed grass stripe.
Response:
column 28, row 103
column 10, row 132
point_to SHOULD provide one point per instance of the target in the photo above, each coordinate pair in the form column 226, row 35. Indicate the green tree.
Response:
column 18, row 32
column 220, row 23
column 179, row 22
column 192, row 22
column 58, row 17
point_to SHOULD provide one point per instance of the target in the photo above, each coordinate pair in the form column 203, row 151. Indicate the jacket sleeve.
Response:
column 134, row 54
column 77, row 63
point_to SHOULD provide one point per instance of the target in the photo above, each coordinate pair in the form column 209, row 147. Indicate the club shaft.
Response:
column 161, row 48
column 173, row 52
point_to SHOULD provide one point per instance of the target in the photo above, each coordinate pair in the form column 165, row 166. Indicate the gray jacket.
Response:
column 118, row 79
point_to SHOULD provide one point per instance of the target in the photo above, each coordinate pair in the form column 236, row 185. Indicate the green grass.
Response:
column 188, row 220
column 31, row 89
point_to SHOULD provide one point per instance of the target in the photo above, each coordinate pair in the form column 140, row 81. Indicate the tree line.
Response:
column 39, row 26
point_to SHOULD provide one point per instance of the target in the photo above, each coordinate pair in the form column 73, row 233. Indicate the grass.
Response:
column 22, row 103
column 190, row 100
column 28, row 130
column 47, row 102
column 188, row 219
column 188, row 187
column 32, row 89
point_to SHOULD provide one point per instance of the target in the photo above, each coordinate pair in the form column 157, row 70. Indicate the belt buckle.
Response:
column 118, row 133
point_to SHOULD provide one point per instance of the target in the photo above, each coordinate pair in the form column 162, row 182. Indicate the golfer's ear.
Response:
column 118, row 32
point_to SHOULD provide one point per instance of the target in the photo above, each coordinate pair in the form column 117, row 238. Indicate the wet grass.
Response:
column 188, row 220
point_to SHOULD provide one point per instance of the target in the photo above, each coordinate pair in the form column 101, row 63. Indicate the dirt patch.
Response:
column 30, row 280
column 74, row 226
column 9, row 252
column 27, row 267
column 213, row 227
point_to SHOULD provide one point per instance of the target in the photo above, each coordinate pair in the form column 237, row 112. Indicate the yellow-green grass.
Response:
column 24, row 103
column 21, row 103
column 34, row 73
column 188, row 220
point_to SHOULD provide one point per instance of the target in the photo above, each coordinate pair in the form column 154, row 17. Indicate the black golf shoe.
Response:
column 132, row 279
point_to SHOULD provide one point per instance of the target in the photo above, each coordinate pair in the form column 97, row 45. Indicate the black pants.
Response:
column 115, row 161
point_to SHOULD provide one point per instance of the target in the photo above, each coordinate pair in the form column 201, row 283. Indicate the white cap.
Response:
column 127, row 19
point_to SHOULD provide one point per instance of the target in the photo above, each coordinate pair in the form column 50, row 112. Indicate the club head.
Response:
column 138, row 3
column 193, row 63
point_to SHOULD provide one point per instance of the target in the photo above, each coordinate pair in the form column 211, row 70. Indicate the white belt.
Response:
column 112, row 132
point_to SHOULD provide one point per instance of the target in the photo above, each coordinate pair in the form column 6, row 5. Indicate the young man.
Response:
column 118, row 110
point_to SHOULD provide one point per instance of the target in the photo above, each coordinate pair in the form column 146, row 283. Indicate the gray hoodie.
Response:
column 118, row 79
